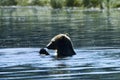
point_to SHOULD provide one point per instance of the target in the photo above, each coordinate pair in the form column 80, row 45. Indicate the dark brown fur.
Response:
column 63, row 44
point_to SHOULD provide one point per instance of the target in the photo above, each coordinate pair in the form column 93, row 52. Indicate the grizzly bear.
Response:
column 63, row 44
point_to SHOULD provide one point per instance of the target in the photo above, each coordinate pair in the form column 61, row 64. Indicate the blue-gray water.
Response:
column 25, row 30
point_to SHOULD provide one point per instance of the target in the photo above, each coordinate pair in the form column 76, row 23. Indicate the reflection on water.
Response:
column 95, row 35
column 35, row 26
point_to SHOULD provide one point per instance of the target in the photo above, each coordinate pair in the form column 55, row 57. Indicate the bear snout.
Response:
column 51, row 46
column 48, row 47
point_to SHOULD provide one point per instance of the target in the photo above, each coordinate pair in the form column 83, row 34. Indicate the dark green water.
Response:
column 95, row 35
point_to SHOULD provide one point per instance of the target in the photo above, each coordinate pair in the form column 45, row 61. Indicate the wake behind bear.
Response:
column 62, row 44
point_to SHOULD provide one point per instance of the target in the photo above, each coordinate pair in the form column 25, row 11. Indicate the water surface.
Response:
column 25, row 30
column 35, row 26
column 91, row 63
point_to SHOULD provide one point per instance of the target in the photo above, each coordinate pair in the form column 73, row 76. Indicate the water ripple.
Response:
column 89, row 63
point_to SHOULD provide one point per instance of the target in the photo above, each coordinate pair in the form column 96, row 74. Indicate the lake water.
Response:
column 25, row 30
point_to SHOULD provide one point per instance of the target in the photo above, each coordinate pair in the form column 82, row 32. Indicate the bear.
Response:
column 62, row 44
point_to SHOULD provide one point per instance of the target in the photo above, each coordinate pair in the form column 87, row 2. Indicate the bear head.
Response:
column 63, row 44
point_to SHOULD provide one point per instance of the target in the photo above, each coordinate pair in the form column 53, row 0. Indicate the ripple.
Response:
column 89, row 63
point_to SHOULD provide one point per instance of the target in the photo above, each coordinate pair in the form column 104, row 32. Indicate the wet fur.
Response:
column 63, row 44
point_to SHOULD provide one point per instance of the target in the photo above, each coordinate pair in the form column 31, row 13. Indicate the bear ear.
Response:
column 67, row 34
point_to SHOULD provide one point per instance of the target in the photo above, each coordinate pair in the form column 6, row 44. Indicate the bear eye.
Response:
column 53, row 41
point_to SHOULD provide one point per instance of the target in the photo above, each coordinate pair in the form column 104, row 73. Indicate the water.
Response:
column 25, row 30
column 92, row 63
